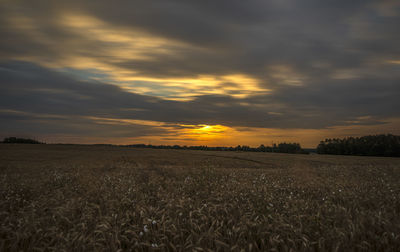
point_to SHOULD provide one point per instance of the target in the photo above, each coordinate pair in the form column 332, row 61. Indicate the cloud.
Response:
column 260, row 64
column 178, row 39
column 34, row 89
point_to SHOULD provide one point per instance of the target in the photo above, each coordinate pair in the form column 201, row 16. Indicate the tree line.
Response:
column 20, row 140
column 372, row 145
column 280, row 148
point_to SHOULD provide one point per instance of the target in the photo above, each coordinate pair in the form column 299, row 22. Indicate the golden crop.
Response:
column 99, row 198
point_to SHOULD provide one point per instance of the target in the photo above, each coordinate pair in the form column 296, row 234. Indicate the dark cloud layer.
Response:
column 37, row 90
column 326, row 63
column 233, row 35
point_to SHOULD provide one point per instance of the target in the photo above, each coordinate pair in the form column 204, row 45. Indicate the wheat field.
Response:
column 108, row 198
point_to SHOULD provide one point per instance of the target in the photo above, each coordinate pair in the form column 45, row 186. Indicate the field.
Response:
column 104, row 198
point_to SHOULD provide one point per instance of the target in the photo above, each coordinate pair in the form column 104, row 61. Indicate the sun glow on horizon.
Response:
column 205, row 132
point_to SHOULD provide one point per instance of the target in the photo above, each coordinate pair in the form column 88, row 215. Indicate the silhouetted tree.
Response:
column 373, row 145
column 282, row 147
column 20, row 140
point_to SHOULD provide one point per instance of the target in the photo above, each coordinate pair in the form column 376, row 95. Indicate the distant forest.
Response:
column 20, row 140
column 280, row 148
column 374, row 145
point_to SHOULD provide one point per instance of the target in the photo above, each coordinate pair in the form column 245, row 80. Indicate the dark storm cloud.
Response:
column 34, row 94
column 235, row 36
column 247, row 37
column 343, row 55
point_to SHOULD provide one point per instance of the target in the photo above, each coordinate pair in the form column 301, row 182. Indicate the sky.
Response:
column 216, row 73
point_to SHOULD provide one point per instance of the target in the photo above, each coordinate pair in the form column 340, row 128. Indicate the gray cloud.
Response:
column 234, row 36
column 340, row 52
column 246, row 37
column 34, row 89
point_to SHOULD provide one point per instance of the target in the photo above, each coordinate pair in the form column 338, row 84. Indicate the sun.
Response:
column 206, row 128
column 209, row 129
column 204, row 132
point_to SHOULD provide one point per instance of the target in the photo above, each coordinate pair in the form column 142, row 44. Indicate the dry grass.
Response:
column 80, row 198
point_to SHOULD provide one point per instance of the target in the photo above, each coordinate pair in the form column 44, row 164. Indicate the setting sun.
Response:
column 204, row 132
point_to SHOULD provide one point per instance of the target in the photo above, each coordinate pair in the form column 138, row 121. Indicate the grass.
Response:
column 99, row 198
